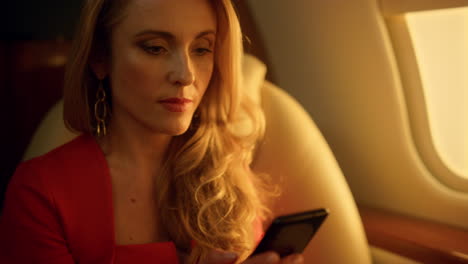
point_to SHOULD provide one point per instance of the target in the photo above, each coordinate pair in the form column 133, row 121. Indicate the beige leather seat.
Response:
column 294, row 149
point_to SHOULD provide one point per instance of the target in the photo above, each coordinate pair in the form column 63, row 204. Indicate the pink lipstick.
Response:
column 176, row 104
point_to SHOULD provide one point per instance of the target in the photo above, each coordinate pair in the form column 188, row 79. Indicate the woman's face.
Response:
column 162, row 56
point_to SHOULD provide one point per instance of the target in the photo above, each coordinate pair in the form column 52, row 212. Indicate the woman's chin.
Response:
column 169, row 127
column 178, row 133
column 176, row 130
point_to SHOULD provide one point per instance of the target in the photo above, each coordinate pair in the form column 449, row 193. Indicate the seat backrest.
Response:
column 294, row 150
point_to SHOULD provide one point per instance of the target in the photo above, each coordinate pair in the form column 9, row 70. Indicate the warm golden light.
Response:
column 440, row 40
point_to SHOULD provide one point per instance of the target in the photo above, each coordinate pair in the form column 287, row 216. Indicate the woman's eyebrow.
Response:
column 169, row 35
column 163, row 34
column 204, row 33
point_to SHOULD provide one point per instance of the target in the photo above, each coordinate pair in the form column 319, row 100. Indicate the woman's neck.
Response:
column 134, row 149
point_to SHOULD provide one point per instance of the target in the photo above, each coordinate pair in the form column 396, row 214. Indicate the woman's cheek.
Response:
column 204, row 73
column 143, row 74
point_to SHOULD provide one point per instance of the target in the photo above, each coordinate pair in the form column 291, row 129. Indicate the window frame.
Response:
column 408, row 70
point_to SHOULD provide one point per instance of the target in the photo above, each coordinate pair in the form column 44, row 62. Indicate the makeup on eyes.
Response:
column 160, row 46
column 208, row 35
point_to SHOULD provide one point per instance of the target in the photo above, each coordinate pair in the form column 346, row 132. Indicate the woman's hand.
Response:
column 218, row 257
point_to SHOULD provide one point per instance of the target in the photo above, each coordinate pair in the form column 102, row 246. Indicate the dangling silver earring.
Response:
column 100, row 110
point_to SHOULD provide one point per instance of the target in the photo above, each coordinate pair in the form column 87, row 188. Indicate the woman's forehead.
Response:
column 177, row 16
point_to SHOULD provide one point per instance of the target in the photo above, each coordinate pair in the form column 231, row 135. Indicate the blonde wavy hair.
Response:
column 207, row 194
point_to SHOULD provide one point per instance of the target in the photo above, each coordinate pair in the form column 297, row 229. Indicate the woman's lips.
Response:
column 176, row 104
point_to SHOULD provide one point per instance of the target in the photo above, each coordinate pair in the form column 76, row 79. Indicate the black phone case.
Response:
column 291, row 233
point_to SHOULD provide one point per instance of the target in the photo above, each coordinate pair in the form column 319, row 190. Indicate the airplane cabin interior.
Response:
column 367, row 100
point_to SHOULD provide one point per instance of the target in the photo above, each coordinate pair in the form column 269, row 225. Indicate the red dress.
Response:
column 59, row 210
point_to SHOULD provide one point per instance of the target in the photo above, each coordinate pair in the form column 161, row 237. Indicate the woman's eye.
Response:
column 155, row 50
column 202, row 51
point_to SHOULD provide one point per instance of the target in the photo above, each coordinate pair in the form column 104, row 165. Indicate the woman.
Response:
column 159, row 174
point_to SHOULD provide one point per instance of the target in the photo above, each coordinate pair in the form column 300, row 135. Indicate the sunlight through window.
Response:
column 440, row 40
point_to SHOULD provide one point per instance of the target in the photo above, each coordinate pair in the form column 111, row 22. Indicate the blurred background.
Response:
column 39, row 20
column 34, row 42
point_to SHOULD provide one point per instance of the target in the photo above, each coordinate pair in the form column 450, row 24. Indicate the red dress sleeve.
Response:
column 30, row 229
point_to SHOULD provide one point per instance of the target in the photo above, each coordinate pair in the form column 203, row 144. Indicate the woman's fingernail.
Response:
column 298, row 259
column 272, row 258
column 229, row 256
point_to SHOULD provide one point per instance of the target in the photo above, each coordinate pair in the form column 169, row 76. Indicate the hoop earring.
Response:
column 100, row 111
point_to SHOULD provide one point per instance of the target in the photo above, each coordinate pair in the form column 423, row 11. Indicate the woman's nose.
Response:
column 181, row 73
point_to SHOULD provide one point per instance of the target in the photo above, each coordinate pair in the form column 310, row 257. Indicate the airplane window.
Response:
column 440, row 42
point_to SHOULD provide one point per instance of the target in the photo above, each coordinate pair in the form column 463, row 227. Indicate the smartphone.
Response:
column 290, row 234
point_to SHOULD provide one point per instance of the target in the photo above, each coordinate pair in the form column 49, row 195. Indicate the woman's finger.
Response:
column 293, row 259
column 219, row 257
column 264, row 258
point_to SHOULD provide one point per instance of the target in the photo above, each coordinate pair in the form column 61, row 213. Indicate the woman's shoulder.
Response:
column 55, row 204
column 73, row 151
column 80, row 153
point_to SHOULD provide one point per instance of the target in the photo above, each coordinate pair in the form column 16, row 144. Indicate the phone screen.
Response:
column 292, row 233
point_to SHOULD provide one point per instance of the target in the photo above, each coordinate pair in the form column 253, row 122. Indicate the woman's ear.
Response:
column 100, row 68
